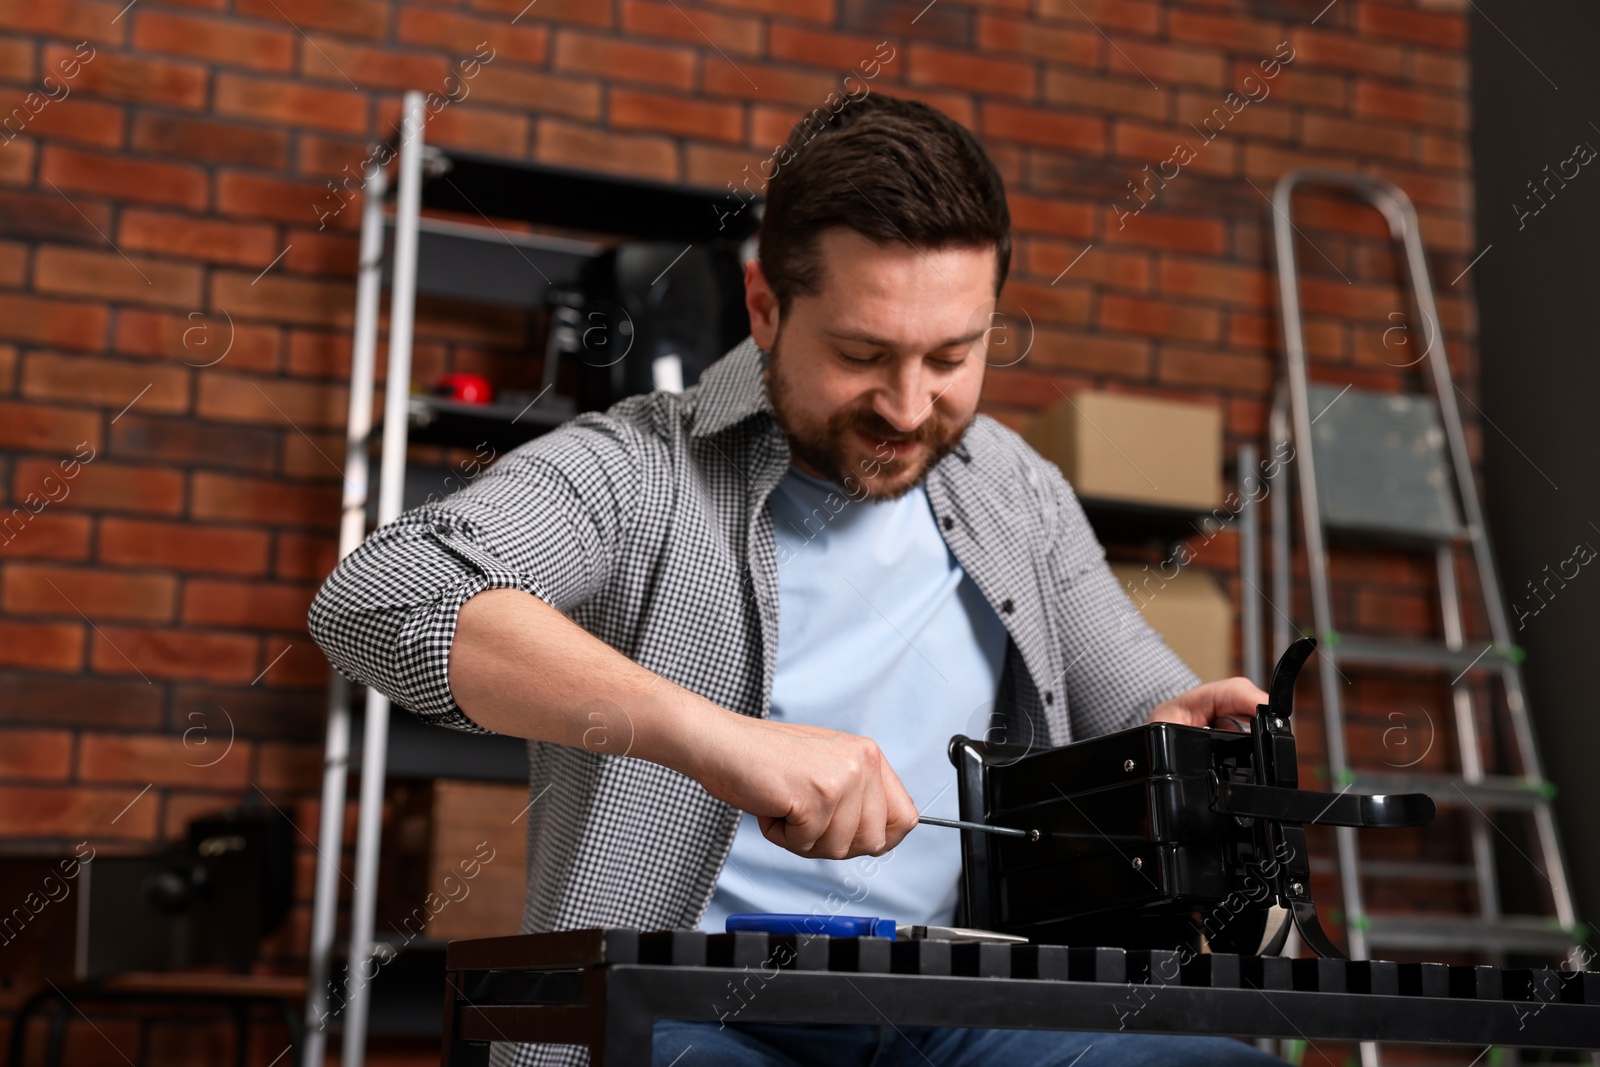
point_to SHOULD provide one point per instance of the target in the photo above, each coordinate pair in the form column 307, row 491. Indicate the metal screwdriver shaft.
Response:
column 957, row 824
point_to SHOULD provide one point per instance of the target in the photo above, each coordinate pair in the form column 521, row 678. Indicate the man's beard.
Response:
column 881, row 475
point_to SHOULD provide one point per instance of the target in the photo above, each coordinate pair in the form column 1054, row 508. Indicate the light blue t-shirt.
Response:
column 880, row 633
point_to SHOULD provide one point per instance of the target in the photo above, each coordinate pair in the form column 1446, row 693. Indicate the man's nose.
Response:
column 903, row 402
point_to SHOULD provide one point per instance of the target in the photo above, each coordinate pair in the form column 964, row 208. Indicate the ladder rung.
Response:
column 1506, row 934
column 1376, row 651
column 1494, row 792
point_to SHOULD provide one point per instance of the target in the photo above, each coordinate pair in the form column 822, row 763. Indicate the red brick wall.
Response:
column 181, row 179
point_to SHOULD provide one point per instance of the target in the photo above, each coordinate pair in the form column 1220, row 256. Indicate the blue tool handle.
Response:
column 767, row 922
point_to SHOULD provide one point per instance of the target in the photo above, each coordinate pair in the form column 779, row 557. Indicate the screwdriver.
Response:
column 1003, row 831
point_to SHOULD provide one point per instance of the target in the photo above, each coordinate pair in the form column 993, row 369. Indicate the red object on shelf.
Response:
column 467, row 388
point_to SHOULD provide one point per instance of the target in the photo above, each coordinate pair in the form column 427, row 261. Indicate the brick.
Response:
column 1210, row 113
column 1049, row 259
column 585, row 12
column 291, row 103
column 114, row 277
column 271, row 401
column 809, row 10
column 255, row 711
column 13, row 269
column 563, row 143
column 72, row 19
column 330, row 59
column 209, row 240
column 1435, row 29
column 1267, row 163
column 531, row 91
column 303, row 556
column 16, row 166
column 283, row 299
column 930, row 65
column 734, row 34
column 197, row 338
column 1414, row 106
column 1131, row 139
column 41, row 646
column 1324, row 92
column 1210, row 369
column 353, row 18
column 227, row 498
column 185, row 759
column 1159, row 318
column 958, row 105
column 80, row 122
column 210, row 141
column 1051, row 129
column 194, row 443
column 18, row 62
column 81, row 700
column 1152, row 229
column 1091, row 353
column 1168, row 64
column 1062, row 218
column 44, row 812
column 1078, row 48
column 1440, row 70
column 1444, row 151
column 111, row 486
column 36, row 427
column 39, row 755
column 183, row 547
column 124, row 77
column 297, row 664
column 60, row 323
column 461, row 34
column 315, row 253
column 634, row 110
column 1137, row 16
column 619, row 60
column 227, row 42
column 1066, row 304
column 1121, row 96
column 124, row 178
column 778, row 85
column 1225, row 283
column 47, row 535
column 299, row 202
column 1226, row 32
column 49, row 216
column 39, row 589
column 1324, row 48
column 246, row 605
column 173, row 654
column 1360, row 138
column 294, row 768
column 109, row 383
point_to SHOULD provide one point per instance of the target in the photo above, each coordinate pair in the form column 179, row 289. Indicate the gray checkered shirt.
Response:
column 648, row 526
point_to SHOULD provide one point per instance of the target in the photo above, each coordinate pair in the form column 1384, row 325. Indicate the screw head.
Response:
column 1296, row 888
column 1128, row 765
column 1138, row 863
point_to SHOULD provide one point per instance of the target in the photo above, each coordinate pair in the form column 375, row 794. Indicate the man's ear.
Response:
column 762, row 304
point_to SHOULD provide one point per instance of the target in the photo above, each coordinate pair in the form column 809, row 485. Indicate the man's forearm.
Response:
column 520, row 667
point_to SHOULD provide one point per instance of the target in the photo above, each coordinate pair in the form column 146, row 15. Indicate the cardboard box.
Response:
column 1111, row 446
column 1190, row 611
column 453, row 860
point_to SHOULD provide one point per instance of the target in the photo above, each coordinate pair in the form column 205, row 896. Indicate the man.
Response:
column 760, row 608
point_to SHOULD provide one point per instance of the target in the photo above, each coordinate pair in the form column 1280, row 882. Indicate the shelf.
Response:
column 487, row 265
column 419, row 750
column 438, row 421
column 1123, row 521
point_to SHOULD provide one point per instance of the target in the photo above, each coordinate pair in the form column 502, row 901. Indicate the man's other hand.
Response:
column 818, row 793
column 1215, row 704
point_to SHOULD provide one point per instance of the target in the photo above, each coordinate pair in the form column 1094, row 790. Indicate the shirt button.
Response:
column 1049, row 697
column 949, row 523
column 441, row 529
column 1006, row 606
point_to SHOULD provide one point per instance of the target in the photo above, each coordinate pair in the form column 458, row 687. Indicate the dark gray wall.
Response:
column 1536, row 89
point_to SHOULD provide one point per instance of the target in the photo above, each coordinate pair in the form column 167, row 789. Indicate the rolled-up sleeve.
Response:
column 1118, row 668
column 547, row 518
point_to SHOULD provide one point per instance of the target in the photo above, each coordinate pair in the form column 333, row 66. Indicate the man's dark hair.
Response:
column 890, row 169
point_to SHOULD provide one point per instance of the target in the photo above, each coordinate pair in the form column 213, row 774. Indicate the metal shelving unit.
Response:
column 486, row 264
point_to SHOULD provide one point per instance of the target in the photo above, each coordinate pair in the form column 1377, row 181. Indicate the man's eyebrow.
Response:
column 878, row 342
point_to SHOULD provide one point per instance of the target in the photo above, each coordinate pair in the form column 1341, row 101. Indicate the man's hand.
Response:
column 818, row 793
column 1215, row 703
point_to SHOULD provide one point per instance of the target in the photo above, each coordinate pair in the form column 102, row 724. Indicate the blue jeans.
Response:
column 677, row 1043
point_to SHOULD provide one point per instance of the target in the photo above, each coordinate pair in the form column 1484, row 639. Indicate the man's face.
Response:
column 876, row 377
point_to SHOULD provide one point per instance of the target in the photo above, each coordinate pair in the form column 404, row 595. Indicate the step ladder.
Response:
column 1393, row 470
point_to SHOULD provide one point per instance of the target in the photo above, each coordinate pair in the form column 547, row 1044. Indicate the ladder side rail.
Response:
column 352, row 529
column 391, row 489
column 1316, row 550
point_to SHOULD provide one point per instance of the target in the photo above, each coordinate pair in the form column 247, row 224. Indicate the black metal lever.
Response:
column 1323, row 809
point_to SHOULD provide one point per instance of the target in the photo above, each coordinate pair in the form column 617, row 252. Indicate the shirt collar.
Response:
column 731, row 390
